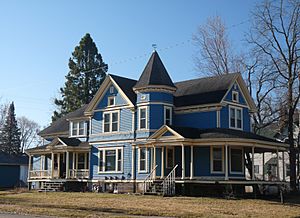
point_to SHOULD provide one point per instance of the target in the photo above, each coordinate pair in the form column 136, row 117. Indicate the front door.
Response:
column 170, row 159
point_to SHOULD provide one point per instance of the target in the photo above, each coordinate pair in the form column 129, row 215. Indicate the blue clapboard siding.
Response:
column 126, row 162
column 97, row 123
column 155, row 97
column 119, row 100
column 196, row 120
column 126, row 117
column 156, row 116
column 246, row 120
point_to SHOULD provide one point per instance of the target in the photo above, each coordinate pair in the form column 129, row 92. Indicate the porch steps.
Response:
column 156, row 188
column 51, row 186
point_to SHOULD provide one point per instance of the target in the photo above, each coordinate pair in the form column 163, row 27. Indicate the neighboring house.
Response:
column 13, row 170
column 135, row 136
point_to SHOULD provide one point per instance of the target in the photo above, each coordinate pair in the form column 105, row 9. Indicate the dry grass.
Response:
column 110, row 205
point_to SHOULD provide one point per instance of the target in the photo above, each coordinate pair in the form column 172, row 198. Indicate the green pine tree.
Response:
column 87, row 72
column 10, row 133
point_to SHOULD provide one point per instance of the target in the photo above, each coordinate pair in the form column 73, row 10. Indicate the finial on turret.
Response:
column 154, row 46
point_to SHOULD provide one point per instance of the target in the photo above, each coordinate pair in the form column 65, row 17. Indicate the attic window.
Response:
column 111, row 90
column 111, row 101
column 235, row 96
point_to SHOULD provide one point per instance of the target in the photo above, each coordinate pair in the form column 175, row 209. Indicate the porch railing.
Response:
column 149, row 179
column 79, row 174
column 39, row 174
column 169, row 183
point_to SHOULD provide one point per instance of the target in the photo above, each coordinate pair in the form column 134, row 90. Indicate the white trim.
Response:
column 115, row 148
column 171, row 114
column 146, row 118
column 110, row 121
column 235, row 120
column 146, row 160
column 154, row 103
column 111, row 98
column 235, row 93
column 212, row 160
column 243, row 161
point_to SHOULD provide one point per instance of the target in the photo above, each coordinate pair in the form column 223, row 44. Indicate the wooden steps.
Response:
column 51, row 186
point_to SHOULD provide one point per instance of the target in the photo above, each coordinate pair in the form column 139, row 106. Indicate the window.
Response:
column 256, row 169
column 170, row 157
column 168, row 115
column 111, row 122
column 78, row 128
column 111, row 101
column 143, row 118
column 111, row 90
column 235, row 96
column 81, row 161
column 235, row 115
column 110, row 160
column 143, row 160
column 217, row 159
column 236, row 160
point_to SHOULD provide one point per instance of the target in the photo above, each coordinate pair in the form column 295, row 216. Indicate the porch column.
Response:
column 278, row 175
column 253, row 176
column 154, row 160
column 67, row 165
column 192, row 163
column 133, row 163
column 263, row 165
column 29, row 166
column 283, row 167
column 58, row 163
column 162, row 162
column 73, row 160
column 52, row 165
column 182, row 162
column 226, row 162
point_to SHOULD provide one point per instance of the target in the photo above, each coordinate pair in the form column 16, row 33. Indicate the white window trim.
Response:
column 171, row 112
column 104, row 161
column 243, row 161
column 108, row 100
column 237, row 96
column 173, row 162
column 77, row 131
column 235, row 109
column 212, row 160
column 110, row 121
column 139, row 116
column 146, row 160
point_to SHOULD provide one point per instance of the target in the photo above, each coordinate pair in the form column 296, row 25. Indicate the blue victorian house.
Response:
column 152, row 135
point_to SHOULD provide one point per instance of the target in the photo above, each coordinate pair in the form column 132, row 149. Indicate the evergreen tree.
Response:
column 87, row 72
column 10, row 133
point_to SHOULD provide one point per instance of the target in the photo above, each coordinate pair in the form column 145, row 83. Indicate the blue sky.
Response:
column 38, row 37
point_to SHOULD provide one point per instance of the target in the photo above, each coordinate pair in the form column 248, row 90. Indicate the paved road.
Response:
column 8, row 215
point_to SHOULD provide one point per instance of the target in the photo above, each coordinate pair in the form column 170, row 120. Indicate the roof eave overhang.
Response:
column 155, row 88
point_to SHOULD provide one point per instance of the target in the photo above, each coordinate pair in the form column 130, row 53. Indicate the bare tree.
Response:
column 29, row 133
column 3, row 112
column 214, row 53
column 276, row 34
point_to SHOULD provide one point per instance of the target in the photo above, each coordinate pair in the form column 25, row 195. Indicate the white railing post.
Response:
column 169, row 183
column 149, row 179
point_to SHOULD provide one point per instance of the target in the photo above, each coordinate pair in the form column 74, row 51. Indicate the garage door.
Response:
column 9, row 176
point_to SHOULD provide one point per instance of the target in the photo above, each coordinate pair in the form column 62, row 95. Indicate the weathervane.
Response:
column 154, row 46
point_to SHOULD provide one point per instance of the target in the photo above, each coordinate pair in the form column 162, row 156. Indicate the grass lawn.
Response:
column 121, row 205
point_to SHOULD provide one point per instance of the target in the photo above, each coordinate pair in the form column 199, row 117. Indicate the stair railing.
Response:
column 169, row 183
column 149, row 179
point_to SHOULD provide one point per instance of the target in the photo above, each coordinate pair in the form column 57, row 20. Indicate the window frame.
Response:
column 235, row 93
column 235, row 118
column 110, row 121
column 146, row 160
column 103, row 159
column 212, row 171
column 146, row 118
column 243, row 161
column 77, row 124
column 111, row 98
column 165, row 115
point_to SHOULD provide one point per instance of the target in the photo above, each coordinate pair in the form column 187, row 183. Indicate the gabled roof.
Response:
column 206, row 90
column 154, row 74
column 126, row 85
column 61, row 126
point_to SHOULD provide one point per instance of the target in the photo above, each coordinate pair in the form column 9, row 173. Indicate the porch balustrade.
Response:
column 40, row 174
column 79, row 174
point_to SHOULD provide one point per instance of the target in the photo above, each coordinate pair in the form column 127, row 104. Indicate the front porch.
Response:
column 59, row 161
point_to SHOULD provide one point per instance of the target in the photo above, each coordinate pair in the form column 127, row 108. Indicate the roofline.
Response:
column 152, row 88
